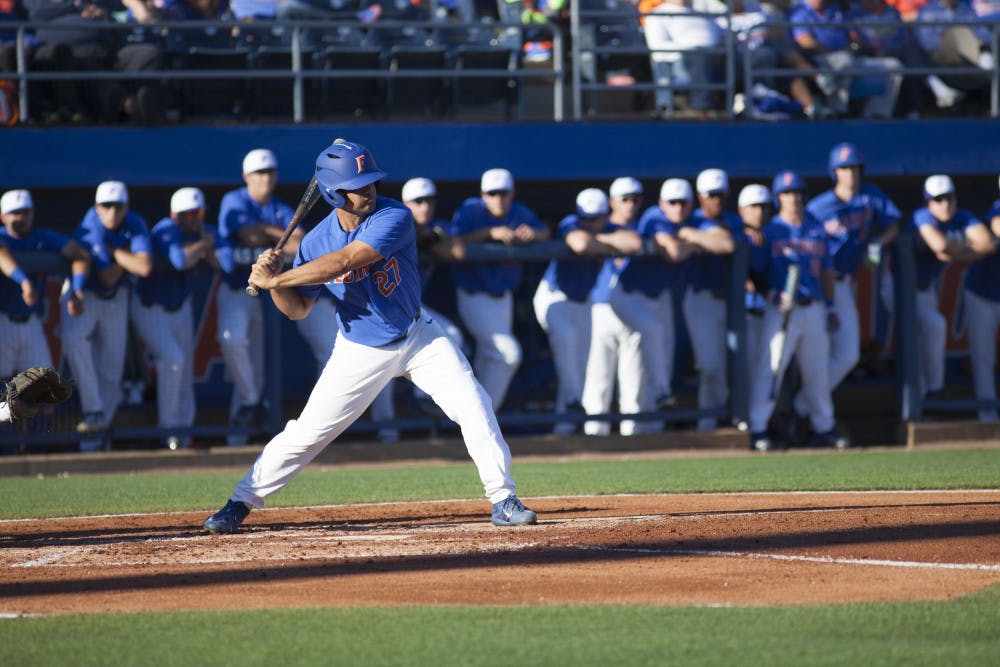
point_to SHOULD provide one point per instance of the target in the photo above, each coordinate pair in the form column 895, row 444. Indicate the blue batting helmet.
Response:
column 345, row 165
column 845, row 155
column 786, row 181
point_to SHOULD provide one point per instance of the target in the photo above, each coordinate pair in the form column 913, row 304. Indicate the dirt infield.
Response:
column 711, row 549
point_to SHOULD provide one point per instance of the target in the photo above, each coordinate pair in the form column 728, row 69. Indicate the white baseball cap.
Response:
column 496, row 179
column 754, row 194
column 415, row 188
column 626, row 185
column 15, row 200
column 674, row 189
column 712, row 180
column 259, row 159
column 938, row 185
column 591, row 203
column 187, row 199
column 111, row 192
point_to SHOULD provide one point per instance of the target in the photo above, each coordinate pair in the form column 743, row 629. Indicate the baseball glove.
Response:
column 30, row 388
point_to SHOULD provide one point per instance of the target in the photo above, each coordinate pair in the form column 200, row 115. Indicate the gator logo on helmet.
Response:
column 361, row 162
column 845, row 153
column 787, row 178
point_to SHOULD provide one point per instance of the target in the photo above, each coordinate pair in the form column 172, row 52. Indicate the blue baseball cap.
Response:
column 845, row 155
column 786, row 181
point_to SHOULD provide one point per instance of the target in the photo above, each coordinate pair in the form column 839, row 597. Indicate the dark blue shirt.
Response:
column 39, row 240
column 170, row 288
column 100, row 242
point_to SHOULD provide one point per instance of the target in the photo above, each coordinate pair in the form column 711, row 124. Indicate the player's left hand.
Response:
column 784, row 302
column 74, row 305
column 28, row 293
column 267, row 266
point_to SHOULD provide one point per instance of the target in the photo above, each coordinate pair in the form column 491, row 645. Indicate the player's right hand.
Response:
column 28, row 293
column 74, row 305
column 784, row 302
column 502, row 234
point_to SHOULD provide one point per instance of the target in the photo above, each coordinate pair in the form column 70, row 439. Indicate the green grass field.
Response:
column 965, row 631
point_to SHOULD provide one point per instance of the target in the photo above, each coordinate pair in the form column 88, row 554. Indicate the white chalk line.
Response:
column 829, row 560
column 50, row 559
column 722, row 494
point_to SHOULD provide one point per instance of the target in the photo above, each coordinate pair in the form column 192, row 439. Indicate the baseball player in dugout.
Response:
column 161, row 308
column 22, row 339
column 963, row 236
column 251, row 218
column 94, row 342
column 755, row 207
column 793, row 238
column 859, row 220
column 642, row 296
column 485, row 294
column 365, row 253
column 562, row 299
column 614, row 358
column 711, row 231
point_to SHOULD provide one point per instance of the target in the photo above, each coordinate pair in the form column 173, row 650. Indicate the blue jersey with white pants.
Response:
column 982, row 309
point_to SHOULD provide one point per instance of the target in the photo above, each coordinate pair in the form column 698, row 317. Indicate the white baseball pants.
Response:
column 614, row 354
column 808, row 341
column 932, row 334
column 705, row 316
column 490, row 320
column 241, row 337
column 22, row 345
column 349, row 383
column 169, row 337
column 94, row 344
column 567, row 324
column 982, row 321
column 654, row 320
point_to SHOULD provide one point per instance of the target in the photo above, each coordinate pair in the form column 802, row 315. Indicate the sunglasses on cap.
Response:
column 497, row 193
column 715, row 193
column 945, row 197
column 422, row 200
column 676, row 202
column 632, row 198
column 112, row 204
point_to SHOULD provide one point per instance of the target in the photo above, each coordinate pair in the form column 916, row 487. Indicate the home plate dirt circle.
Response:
column 704, row 549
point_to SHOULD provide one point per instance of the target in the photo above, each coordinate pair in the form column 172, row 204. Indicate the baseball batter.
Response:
column 711, row 230
column 793, row 237
column 250, row 219
column 642, row 295
column 365, row 253
column 614, row 357
column 982, row 306
column 485, row 295
column 94, row 342
column 562, row 300
column 22, row 339
column 859, row 220
column 161, row 308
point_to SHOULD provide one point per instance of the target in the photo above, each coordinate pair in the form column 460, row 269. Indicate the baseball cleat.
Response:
column 228, row 519
column 511, row 512
column 761, row 443
column 91, row 423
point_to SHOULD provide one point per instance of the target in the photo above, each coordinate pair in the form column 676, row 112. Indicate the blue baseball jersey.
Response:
column 785, row 245
column 39, row 240
column 653, row 274
column 929, row 267
column 709, row 271
column 494, row 277
column 850, row 225
column 238, row 209
column 170, row 288
column 983, row 276
column 100, row 242
column 574, row 278
column 376, row 304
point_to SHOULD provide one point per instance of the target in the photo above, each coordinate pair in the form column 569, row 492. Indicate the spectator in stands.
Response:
column 562, row 300
column 73, row 42
column 982, row 304
column 987, row 10
column 881, row 32
column 711, row 230
column 957, row 45
column 486, row 290
column 835, row 47
column 614, row 358
column 681, row 45
column 907, row 9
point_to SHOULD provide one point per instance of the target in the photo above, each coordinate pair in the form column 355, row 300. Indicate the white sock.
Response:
column 5, row 413
column 986, row 60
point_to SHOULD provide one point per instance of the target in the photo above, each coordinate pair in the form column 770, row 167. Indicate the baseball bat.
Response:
column 309, row 198
column 778, row 342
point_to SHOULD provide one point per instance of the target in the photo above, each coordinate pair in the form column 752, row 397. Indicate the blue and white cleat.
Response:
column 228, row 519
column 511, row 512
